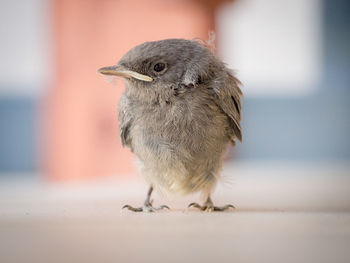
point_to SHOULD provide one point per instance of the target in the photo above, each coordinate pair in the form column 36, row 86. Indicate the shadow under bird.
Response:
column 180, row 110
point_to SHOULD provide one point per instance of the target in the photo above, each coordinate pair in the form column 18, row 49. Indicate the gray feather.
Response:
column 179, row 125
column 228, row 98
column 124, row 119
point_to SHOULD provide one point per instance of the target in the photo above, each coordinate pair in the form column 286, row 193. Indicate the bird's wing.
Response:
column 227, row 95
column 125, row 120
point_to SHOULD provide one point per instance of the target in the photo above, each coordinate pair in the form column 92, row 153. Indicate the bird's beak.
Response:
column 123, row 72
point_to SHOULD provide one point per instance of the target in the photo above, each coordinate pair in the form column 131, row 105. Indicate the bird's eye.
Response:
column 159, row 67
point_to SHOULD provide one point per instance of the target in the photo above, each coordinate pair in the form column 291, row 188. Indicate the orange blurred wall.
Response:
column 81, row 107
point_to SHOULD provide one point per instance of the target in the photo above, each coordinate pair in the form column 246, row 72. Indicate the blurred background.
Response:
column 58, row 117
column 64, row 175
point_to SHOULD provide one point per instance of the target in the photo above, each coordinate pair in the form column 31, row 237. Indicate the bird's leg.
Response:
column 208, row 206
column 147, row 205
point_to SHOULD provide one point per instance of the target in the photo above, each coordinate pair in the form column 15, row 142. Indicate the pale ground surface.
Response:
column 285, row 213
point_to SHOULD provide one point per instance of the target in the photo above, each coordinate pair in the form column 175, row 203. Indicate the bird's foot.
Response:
column 147, row 207
column 209, row 207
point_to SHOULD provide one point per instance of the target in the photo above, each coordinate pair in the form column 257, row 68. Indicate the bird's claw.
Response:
column 146, row 208
column 210, row 207
column 194, row 205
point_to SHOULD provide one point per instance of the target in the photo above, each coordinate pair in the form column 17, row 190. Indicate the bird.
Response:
column 180, row 110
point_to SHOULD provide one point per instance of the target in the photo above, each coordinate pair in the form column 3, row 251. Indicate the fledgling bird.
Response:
column 180, row 110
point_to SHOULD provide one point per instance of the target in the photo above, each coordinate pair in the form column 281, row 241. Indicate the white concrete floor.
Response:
column 285, row 213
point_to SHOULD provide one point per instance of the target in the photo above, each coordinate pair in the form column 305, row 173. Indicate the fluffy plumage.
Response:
column 179, row 124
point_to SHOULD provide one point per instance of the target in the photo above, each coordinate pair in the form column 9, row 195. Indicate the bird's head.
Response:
column 164, row 63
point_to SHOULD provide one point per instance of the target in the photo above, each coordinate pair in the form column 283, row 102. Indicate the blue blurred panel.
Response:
column 308, row 128
column 336, row 22
column 17, row 134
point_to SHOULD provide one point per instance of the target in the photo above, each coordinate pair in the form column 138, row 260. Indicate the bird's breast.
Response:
column 179, row 130
column 179, row 144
